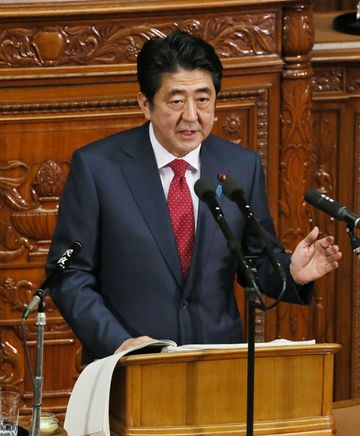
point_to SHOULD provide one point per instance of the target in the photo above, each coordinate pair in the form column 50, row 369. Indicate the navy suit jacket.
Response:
column 127, row 280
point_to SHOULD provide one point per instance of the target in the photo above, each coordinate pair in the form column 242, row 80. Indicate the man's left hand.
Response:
column 314, row 257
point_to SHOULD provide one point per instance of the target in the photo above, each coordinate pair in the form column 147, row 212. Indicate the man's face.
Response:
column 183, row 110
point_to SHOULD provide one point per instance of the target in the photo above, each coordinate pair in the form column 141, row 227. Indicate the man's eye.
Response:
column 177, row 103
column 203, row 100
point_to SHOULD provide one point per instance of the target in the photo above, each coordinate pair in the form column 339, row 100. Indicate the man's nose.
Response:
column 190, row 111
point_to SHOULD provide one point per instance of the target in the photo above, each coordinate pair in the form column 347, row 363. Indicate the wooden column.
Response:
column 296, row 138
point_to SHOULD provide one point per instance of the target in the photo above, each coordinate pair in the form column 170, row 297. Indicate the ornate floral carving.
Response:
column 263, row 127
column 12, row 175
column 296, row 139
column 298, row 39
column 242, row 36
column 322, row 153
column 49, row 44
column 354, row 81
column 298, row 31
column 117, row 43
column 38, row 224
column 32, row 222
column 232, row 122
column 328, row 81
column 323, row 176
column 17, row 295
column 232, row 125
column 49, row 181
column 11, row 373
column 54, row 328
column 11, row 244
column 68, row 106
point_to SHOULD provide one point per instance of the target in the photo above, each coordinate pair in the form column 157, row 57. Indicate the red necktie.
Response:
column 181, row 213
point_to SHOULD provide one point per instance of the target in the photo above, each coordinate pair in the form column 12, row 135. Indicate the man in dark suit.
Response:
column 139, row 275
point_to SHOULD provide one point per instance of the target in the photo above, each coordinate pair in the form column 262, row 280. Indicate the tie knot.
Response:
column 179, row 166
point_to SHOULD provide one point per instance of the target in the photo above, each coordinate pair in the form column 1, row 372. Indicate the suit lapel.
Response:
column 142, row 176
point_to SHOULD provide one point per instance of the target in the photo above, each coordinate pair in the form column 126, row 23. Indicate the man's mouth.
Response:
column 188, row 132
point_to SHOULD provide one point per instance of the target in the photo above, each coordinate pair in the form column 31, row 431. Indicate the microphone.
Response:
column 332, row 208
column 233, row 190
column 205, row 190
column 62, row 264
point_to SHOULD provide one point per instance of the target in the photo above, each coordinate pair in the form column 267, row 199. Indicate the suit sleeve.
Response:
column 270, row 280
column 77, row 295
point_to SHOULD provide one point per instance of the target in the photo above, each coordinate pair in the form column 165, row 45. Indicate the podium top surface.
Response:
column 231, row 353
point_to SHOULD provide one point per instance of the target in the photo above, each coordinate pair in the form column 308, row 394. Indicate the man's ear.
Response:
column 144, row 105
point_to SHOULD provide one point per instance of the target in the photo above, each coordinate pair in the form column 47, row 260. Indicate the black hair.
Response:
column 179, row 50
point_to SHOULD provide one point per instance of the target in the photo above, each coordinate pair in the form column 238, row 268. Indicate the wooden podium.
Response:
column 204, row 392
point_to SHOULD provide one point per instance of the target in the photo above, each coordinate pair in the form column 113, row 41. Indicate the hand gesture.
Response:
column 314, row 257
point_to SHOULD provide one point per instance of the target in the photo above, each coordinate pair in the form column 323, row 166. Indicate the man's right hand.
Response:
column 132, row 342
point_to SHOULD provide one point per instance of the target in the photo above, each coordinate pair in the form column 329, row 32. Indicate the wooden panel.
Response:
column 174, row 392
column 335, row 171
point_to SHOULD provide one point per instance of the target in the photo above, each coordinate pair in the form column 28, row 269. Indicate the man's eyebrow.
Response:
column 175, row 91
column 205, row 89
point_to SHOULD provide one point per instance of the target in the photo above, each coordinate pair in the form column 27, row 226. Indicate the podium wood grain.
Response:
column 204, row 392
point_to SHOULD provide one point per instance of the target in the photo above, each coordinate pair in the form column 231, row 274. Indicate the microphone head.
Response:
column 323, row 202
column 77, row 246
column 204, row 188
column 332, row 208
column 232, row 187
column 69, row 255
column 326, row 204
column 313, row 197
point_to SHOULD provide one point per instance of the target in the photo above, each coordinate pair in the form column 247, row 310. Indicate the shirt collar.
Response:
column 163, row 157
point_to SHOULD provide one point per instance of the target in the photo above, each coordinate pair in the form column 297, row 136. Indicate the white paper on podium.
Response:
column 88, row 409
column 198, row 347
column 87, row 413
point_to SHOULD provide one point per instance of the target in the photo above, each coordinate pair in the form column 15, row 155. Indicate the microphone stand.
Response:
column 244, row 263
column 355, row 242
column 38, row 378
column 203, row 190
column 253, row 293
column 251, row 305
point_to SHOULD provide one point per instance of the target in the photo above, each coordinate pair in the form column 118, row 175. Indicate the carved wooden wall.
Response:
column 67, row 75
column 335, row 171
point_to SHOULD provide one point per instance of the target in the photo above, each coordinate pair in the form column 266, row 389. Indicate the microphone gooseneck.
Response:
column 205, row 190
column 233, row 190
